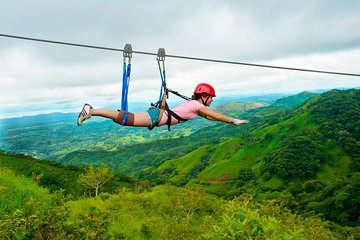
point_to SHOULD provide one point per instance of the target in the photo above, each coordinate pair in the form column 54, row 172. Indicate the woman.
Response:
column 202, row 98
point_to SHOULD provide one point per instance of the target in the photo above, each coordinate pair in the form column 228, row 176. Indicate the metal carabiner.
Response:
column 127, row 52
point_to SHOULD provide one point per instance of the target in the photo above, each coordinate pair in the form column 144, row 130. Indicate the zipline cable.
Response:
column 183, row 57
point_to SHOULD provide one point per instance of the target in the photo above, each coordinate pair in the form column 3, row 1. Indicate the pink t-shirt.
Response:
column 187, row 110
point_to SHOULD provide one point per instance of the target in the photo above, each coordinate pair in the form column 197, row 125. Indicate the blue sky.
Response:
column 39, row 77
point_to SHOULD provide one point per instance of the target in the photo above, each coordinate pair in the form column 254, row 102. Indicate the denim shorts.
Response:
column 153, row 115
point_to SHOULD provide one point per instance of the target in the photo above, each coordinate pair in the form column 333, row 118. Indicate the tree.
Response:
column 95, row 177
column 297, row 156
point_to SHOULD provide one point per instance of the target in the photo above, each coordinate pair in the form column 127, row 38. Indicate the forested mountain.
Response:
column 287, row 103
column 292, row 153
column 51, row 136
column 304, row 157
column 133, row 158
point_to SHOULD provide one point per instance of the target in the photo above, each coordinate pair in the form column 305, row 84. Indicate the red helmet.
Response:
column 205, row 88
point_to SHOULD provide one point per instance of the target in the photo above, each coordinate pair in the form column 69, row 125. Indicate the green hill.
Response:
column 294, row 100
column 55, row 176
column 52, row 136
column 288, row 154
column 303, row 160
column 48, row 174
column 292, row 153
column 28, row 211
column 133, row 159
column 249, row 142
column 287, row 103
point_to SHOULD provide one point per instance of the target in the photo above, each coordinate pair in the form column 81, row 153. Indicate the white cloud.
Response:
column 27, row 79
column 322, row 35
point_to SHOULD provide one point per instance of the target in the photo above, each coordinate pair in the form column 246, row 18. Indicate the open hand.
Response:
column 238, row 121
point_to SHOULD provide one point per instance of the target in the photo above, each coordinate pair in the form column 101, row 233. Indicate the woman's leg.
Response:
column 133, row 119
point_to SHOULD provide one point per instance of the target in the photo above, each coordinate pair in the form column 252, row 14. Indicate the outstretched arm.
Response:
column 211, row 115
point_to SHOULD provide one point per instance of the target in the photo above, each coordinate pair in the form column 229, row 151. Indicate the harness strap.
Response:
column 164, row 107
column 178, row 94
column 170, row 114
column 161, row 103
column 126, row 81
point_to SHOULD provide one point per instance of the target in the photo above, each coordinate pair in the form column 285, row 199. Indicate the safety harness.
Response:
column 164, row 94
column 161, row 104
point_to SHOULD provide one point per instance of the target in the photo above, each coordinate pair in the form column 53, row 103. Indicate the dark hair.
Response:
column 198, row 96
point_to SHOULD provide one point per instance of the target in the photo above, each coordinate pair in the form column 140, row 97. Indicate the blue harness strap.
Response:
column 125, row 87
column 126, row 81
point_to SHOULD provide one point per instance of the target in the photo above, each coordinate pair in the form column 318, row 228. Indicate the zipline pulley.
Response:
column 161, row 54
column 127, row 52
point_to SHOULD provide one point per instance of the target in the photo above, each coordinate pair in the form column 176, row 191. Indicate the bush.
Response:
column 244, row 219
column 24, row 206
column 312, row 185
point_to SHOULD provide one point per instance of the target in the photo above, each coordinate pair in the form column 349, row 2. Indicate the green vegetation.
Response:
column 292, row 173
column 49, row 174
column 284, row 155
column 296, row 157
column 162, row 212
column 55, row 176
column 24, row 205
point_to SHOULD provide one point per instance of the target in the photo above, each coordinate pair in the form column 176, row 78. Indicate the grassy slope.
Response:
column 139, row 159
column 19, row 192
column 53, row 175
column 165, row 212
column 217, row 156
column 23, row 205
column 228, row 159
